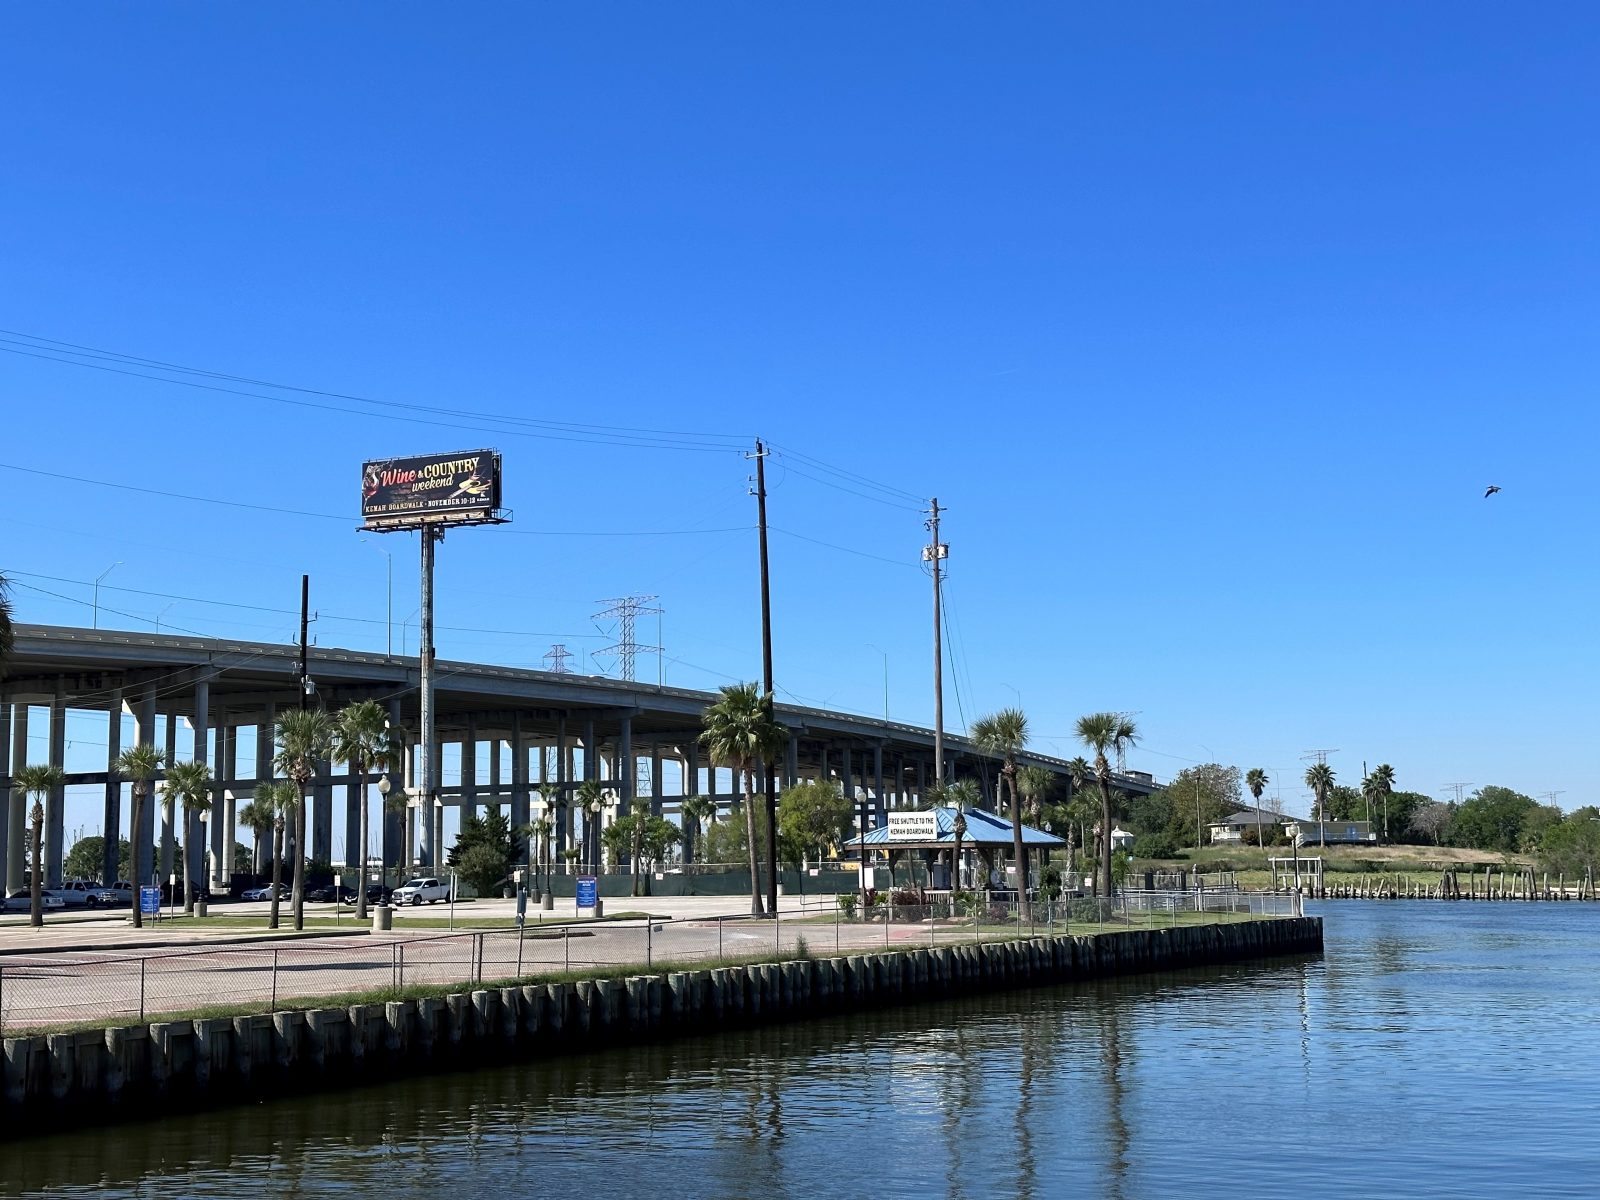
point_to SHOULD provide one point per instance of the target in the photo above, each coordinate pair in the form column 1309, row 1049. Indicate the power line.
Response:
column 893, row 562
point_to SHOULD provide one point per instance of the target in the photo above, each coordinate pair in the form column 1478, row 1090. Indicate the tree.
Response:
column 1379, row 784
column 697, row 812
column 1320, row 779
column 1573, row 847
column 87, row 859
column 1005, row 735
column 37, row 782
column 1537, row 826
column 257, row 818
column 740, row 732
column 1256, row 780
column 189, row 785
column 1107, row 734
column 591, row 799
column 138, row 765
column 305, row 738
column 1035, row 783
column 276, row 798
column 361, row 740
column 486, row 851
column 657, row 836
column 1432, row 820
column 1201, row 795
column 815, row 814
column 1491, row 819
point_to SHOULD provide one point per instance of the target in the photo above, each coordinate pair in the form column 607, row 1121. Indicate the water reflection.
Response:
column 1124, row 1089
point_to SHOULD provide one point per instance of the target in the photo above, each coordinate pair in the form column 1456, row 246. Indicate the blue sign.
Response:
column 588, row 891
column 150, row 900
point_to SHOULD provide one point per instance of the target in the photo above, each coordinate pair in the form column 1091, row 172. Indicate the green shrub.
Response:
column 1154, row 845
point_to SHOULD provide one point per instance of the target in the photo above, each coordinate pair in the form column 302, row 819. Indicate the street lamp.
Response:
column 98, row 578
column 870, row 646
column 389, row 618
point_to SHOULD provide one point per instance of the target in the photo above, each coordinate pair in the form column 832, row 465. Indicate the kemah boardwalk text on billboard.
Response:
column 431, row 489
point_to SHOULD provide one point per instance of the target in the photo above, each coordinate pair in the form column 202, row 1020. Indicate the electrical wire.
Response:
column 893, row 562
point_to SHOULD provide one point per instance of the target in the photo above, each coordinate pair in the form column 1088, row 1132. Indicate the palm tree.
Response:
column 257, row 818
column 361, row 740
column 1034, row 783
column 1319, row 778
column 1382, row 780
column 138, row 765
column 188, row 784
column 275, row 799
column 555, row 804
column 740, row 732
column 1256, row 780
column 1005, row 735
column 38, row 782
column 702, row 811
column 305, row 738
column 591, row 798
column 1107, row 734
column 960, row 796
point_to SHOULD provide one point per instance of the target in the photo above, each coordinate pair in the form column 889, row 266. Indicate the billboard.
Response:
column 430, row 489
column 913, row 827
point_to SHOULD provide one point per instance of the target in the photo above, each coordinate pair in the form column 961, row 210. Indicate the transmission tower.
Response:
column 557, row 659
column 626, row 610
column 1550, row 797
column 1457, row 788
column 1320, row 755
column 1122, row 751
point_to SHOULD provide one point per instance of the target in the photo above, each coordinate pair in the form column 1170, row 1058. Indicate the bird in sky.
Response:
column 1492, row 489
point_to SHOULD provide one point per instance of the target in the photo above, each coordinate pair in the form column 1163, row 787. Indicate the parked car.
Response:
column 21, row 900
column 422, row 890
column 265, row 893
column 325, row 894
column 378, row 893
column 79, row 893
column 120, row 892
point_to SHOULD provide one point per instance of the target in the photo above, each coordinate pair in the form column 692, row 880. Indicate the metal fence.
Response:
column 51, row 991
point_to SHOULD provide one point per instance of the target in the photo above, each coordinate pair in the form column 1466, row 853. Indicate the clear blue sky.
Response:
column 1210, row 324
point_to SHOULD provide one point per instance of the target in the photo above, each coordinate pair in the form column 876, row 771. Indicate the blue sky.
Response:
column 1209, row 324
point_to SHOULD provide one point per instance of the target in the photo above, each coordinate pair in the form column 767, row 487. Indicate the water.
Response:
column 1437, row 1050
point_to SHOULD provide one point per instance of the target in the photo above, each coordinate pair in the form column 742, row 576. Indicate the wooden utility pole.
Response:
column 766, row 674
column 935, row 554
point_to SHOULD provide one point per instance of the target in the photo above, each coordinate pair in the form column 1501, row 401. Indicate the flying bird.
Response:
column 1492, row 489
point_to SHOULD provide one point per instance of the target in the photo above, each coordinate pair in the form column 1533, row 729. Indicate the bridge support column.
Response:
column 791, row 760
column 393, row 814
column 169, row 824
column 228, row 768
column 17, row 813
column 882, row 804
column 656, row 790
column 194, row 832
column 519, row 783
column 147, row 735
column 355, row 850
column 5, row 791
column 56, row 803
column 469, row 770
column 111, row 817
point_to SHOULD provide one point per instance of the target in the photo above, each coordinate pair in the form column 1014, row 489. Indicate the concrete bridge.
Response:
column 215, row 700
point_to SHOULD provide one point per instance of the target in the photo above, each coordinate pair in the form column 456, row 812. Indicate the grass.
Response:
column 403, row 923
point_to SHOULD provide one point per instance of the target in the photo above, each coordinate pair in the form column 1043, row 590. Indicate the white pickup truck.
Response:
column 422, row 890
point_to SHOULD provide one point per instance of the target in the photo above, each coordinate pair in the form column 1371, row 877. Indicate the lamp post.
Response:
column 536, row 844
column 384, row 788
column 96, row 620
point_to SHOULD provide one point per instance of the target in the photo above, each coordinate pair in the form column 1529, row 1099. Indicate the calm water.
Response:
column 1436, row 1051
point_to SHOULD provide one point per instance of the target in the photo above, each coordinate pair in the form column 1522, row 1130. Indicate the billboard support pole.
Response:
column 425, row 763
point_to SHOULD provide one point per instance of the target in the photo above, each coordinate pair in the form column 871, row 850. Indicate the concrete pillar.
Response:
column 469, row 770
column 56, row 802
column 877, row 782
column 355, row 854
column 169, row 828
column 228, row 768
column 563, row 774
column 393, row 815
column 691, row 766
column 194, row 834
column 321, row 824
column 17, row 813
column 519, row 774
column 496, row 793
column 922, row 782
column 656, row 790
column 147, row 735
column 5, row 790
column 590, row 822
column 791, row 760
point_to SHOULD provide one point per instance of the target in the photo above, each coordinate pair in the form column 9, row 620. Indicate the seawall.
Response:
column 85, row 1077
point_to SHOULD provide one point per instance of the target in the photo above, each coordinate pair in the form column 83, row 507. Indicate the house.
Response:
column 1329, row 832
column 1230, row 830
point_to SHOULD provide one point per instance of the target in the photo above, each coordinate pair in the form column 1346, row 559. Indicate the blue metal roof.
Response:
column 983, row 829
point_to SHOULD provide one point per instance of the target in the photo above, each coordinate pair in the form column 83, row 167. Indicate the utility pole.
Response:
column 935, row 553
column 431, row 534
column 305, row 621
column 766, row 672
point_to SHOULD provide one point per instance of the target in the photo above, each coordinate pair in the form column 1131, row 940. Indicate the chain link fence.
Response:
column 44, row 992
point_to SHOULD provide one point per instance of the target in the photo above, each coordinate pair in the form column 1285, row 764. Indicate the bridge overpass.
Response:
column 512, row 730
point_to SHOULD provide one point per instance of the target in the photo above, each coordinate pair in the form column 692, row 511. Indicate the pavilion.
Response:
column 929, row 836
